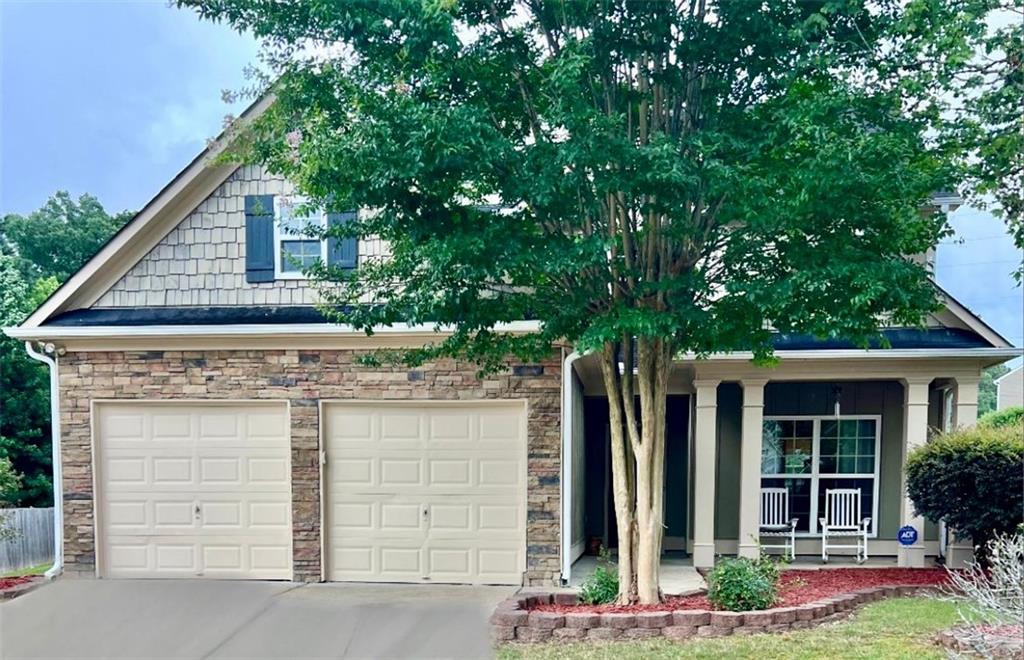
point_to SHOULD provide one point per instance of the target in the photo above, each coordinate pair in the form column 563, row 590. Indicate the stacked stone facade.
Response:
column 304, row 378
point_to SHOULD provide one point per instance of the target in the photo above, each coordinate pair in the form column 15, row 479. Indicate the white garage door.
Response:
column 426, row 492
column 193, row 490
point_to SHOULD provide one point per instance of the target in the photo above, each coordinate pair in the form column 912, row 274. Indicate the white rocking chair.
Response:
column 842, row 520
column 775, row 521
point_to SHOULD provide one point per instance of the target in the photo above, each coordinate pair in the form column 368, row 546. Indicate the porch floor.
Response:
column 813, row 562
column 678, row 576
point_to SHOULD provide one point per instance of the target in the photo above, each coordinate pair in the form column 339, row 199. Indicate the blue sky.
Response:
column 114, row 98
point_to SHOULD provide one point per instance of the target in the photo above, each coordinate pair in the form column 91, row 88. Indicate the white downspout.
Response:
column 567, row 454
column 58, row 490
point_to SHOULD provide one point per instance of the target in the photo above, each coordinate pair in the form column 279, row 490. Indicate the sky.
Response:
column 115, row 98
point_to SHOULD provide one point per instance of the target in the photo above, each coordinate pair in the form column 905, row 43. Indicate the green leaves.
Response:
column 652, row 169
column 972, row 479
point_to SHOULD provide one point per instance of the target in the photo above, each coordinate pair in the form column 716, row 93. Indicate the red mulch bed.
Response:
column 796, row 587
column 7, row 583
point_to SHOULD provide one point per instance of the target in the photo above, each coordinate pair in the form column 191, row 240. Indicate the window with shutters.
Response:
column 812, row 454
column 296, row 247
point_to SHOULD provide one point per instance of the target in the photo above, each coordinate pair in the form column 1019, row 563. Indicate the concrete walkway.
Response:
column 678, row 576
column 226, row 619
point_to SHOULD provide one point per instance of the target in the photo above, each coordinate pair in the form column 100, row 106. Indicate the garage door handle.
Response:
column 197, row 510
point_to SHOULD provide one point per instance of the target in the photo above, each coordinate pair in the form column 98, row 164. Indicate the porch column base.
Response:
column 910, row 557
column 749, row 550
column 703, row 555
column 958, row 555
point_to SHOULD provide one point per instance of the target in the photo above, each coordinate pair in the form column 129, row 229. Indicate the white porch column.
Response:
column 965, row 401
column 965, row 413
column 915, row 434
column 750, row 465
column 705, row 427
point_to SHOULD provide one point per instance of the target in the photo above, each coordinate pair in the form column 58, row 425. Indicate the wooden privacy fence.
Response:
column 33, row 542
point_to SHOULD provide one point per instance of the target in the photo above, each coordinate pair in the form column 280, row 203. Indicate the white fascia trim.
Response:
column 251, row 330
column 853, row 353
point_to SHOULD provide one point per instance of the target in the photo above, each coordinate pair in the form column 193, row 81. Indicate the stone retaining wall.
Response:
column 514, row 620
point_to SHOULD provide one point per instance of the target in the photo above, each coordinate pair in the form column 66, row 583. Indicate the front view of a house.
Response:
column 212, row 424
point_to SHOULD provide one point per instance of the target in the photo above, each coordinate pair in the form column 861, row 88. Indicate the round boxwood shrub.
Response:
column 1000, row 418
column 972, row 478
column 743, row 584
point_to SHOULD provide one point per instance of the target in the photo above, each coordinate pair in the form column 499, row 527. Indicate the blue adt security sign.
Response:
column 907, row 535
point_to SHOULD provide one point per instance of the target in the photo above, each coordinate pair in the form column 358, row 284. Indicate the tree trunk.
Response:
column 638, row 462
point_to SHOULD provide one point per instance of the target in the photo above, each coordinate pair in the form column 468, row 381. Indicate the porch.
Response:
column 807, row 425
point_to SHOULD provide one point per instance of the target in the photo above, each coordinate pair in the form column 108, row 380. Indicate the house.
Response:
column 1010, row 389
column 211, row 424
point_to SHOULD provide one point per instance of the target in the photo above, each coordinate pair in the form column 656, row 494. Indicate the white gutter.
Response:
column 567, row 455
column 861, row 353
column 245, row 330
column 58, row 489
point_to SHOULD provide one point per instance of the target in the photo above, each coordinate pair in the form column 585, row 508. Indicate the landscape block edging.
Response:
column 515, row 620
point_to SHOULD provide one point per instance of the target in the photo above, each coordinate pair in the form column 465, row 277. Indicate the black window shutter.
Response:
column 342, row 252
column 259, row 238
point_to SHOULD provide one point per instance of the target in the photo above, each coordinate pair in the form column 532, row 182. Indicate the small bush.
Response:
column 601, row 586
column 972, row 479
column 744, row 584
column 998, row 419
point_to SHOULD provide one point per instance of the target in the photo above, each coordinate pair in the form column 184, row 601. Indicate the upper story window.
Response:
column 282, row 240
column 296, row 248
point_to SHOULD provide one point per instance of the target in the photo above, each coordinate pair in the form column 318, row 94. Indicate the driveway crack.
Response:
column 245, row 624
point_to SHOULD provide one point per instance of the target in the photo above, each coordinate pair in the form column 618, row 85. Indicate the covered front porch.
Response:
column 810, row 424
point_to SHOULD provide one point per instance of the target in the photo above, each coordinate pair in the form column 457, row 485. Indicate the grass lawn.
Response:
column 895, row 628
column 32, row 570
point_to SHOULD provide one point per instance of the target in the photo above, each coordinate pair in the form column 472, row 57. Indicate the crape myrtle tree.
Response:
column 645, row 180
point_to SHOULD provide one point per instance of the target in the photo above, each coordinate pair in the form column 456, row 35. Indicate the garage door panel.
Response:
column 216, row 505
column 430, row 488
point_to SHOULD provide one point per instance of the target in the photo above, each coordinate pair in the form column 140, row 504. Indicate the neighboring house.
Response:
column 213, row 425
column 1010, row 389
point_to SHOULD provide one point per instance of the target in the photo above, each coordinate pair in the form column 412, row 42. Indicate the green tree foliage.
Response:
column 37, row 253
column 992, row 94
column 973, row 479
column 1002, row 418
column 24, row 391
column 55, row 240
column 10, row 483
column 987, row 391
column 645, row 179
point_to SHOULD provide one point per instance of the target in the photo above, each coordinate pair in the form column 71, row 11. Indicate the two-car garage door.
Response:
column 193, row 490
column 413, row 492
column 425, row 492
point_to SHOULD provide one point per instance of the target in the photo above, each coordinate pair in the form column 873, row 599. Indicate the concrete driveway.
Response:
column 225, row 619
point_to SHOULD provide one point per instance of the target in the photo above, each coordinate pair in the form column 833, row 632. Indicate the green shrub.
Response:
column 601, row 586
column 1001, row 418
column 973, row 479
column 744, row 584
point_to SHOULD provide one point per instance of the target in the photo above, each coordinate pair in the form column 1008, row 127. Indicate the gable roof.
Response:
column 136, row 238
column 201, row 177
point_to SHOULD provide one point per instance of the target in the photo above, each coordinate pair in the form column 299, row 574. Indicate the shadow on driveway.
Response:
column 230, row 619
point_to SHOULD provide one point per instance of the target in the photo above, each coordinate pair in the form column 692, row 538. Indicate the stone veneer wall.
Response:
column 303, row 377
column 202, row 260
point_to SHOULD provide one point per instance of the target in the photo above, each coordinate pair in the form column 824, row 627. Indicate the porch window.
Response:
column 809, row 455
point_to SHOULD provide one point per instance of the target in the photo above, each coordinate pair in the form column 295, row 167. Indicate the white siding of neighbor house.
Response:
column 1010, row 389
column 201, row 262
